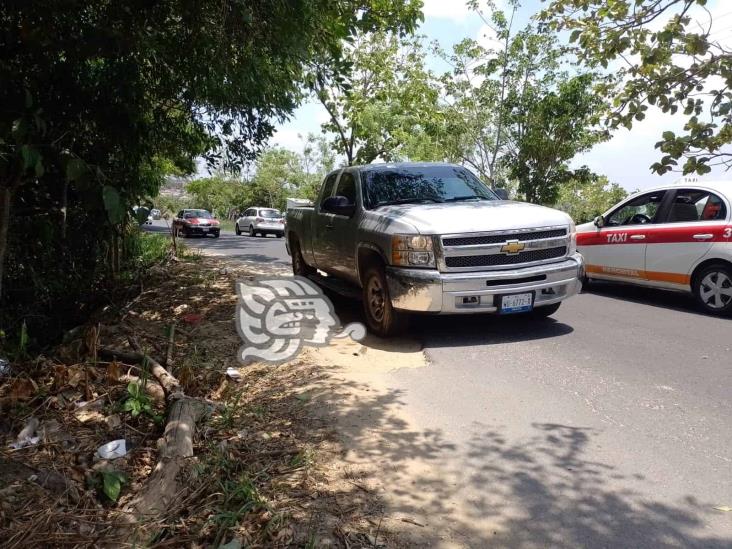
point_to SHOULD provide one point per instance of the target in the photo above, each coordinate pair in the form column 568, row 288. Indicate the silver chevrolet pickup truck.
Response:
column 432, row 238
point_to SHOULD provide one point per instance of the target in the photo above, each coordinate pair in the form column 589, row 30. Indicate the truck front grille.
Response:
column 501, row 259
column 499, row 249
column 500, row 238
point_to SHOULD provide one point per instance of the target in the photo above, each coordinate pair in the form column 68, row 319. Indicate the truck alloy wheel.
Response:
column 713, row 289
column 381, row 317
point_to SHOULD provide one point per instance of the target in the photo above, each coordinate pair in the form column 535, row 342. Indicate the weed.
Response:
column 304, row 458
column 230, row 413
column 112, row 482
column 241, row 497
column 138, row 403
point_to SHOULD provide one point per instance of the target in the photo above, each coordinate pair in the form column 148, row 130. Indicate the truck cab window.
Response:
column 347, row 187
column 328, row 186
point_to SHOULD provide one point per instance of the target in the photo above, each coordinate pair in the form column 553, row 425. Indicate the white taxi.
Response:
column 677, row 237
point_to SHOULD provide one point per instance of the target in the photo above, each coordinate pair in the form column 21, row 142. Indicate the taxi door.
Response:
column 617, row 251
column 695, row 219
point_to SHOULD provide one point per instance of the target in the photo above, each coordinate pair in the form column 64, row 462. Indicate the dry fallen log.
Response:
column 164, row 485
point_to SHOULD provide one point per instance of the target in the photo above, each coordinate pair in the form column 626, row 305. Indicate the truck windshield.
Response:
column 405, row 185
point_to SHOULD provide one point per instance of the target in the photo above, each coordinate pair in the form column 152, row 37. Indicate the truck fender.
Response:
column 364, row 250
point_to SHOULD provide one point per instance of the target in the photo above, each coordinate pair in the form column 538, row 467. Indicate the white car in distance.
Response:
column 261, row 221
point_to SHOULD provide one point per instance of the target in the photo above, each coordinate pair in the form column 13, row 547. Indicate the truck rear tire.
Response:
column 381, row 318
column 299, row 267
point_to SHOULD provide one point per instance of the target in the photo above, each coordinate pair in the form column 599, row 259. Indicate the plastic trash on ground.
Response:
column 113, row 450
column 27, row 437
column 233, row 374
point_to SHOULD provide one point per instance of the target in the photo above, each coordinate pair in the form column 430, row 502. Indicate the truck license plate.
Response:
column 517, row 303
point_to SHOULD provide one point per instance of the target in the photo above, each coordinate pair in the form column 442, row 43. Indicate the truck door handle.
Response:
column 703, row 236
column 637, row 237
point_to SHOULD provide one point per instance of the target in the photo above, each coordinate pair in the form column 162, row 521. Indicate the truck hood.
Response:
column 473, row 217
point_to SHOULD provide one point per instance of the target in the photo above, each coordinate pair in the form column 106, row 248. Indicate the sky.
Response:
column 624, row 159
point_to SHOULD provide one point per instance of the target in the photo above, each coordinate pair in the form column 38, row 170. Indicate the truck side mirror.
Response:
column 338, row 205
column 599, row 222
column 502, row 193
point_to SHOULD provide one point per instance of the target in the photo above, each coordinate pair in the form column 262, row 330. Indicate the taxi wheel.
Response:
column 713, row 289
column 381, row 318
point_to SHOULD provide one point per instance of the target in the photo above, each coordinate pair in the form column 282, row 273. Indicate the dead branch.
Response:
column 171, row 343
column 169, row 383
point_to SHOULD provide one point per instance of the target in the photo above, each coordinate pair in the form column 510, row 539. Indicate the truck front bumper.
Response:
column 422, row 290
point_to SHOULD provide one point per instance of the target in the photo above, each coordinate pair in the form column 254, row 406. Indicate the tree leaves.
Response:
column 113, row 204
column 678, row 55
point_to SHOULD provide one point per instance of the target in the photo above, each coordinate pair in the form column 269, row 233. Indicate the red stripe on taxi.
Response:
column 658, row 235
column 656, row 276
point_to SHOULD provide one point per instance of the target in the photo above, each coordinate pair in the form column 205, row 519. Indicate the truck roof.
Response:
column 392, row 165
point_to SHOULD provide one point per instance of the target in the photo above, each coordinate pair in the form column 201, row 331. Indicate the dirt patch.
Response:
column 269, row 467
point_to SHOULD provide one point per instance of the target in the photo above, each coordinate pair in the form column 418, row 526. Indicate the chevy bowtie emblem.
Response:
column 512, row 247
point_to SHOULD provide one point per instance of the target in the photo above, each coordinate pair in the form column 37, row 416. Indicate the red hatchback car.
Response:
column 196, row 222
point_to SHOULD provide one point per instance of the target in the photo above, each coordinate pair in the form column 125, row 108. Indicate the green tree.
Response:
column 219, row 194
column 99, row 97
column 511, row 110
column 475, row 92
column 546, row 129
column 587, row 195
column 279, row 174
column 383, row 103
column 662, row 57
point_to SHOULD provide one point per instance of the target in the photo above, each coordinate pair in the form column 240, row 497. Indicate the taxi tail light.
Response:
column 259, row 219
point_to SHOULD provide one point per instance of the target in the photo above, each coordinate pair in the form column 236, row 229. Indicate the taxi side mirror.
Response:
column 599, row 222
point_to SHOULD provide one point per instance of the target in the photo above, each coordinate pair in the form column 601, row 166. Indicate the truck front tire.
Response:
column 382, row 319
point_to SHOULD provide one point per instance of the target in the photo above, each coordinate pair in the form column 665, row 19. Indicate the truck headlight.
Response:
column 412, row 251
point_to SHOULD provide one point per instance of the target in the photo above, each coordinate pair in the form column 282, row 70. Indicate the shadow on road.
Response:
column 664, row 299
column 538, row 490
column 457, row 330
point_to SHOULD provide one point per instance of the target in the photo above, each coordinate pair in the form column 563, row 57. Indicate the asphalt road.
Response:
column 609, row 425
